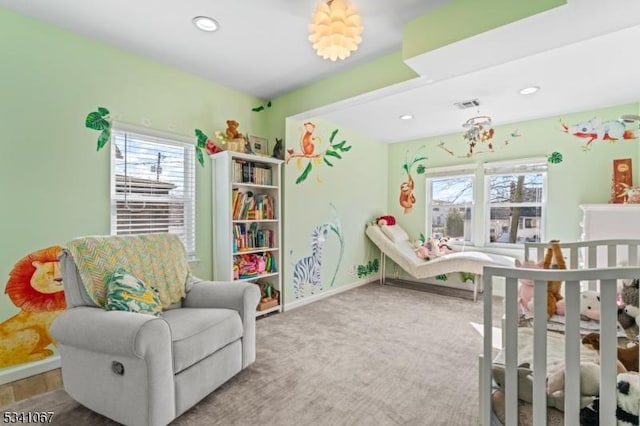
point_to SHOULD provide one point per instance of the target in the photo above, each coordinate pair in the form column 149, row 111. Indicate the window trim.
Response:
column 167, row 138
column 515, row 167
column 481, row 173
column 451, row 171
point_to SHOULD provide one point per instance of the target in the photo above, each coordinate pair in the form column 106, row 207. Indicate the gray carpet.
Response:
column 370, row 356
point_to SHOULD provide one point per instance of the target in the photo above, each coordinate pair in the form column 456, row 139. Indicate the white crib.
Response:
column 580, row 255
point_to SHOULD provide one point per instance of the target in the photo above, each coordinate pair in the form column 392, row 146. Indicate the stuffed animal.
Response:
column 553, row 253
column 386, row 220
column 555, row 303
column 232, row 130
column 632, row 311
column 627, row 357
column 427, row 250
column 627, row 397
column 589, row 380
column 443, row 245
column 630, row 295
column 525, row 289
column 590, row 305
column 556, row 400
column 278, row 149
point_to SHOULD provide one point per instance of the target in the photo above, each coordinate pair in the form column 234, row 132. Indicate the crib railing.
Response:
column 606, row 279
column 590, row 254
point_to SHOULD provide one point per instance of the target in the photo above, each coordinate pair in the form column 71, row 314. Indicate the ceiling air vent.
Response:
column 467, row 104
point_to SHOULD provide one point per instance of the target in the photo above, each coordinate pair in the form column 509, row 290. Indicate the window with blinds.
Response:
column 152, row 184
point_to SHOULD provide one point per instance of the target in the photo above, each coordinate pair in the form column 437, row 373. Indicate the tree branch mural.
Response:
column 336, row 228
column 308, row 150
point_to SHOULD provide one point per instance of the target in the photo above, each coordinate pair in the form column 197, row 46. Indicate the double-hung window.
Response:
column 515, row 200
column 152, row 184
column 450, row 203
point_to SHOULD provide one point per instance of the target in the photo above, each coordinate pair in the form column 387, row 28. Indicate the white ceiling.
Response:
column 262, row 49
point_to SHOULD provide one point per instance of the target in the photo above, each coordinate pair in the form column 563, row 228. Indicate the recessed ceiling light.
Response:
column 529, row 90
column 205, row 23
column 406, row 117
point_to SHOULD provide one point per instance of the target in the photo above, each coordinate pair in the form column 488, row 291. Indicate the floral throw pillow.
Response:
column 127, row 293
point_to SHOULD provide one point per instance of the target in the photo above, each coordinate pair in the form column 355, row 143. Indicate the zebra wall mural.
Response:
column 307, row 269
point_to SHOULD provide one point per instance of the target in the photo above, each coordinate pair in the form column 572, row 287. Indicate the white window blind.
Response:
column 521, row 166
column 152, row 184
column 465, row 169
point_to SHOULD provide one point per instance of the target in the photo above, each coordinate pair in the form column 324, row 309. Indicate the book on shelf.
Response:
column 245, row 171
column 251, row 237
column 250, row 206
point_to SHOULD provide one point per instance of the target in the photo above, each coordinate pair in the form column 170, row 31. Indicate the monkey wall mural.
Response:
column 407, row 199
column 310, row 151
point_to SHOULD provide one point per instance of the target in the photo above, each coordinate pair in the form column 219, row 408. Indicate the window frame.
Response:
column 450, row 172
column 517, row 167
column 480, row 213
column 153, row 136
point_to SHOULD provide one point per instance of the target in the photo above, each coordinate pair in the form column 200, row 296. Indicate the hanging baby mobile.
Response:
column 478, row 133
column 478, row 130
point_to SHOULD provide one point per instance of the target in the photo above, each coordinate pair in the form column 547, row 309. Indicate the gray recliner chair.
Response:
column 140, row 369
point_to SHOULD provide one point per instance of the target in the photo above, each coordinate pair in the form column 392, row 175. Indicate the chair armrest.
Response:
column 112, row 332
column 242, row 297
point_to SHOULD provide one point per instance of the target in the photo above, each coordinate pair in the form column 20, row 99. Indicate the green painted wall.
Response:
column 54, row 184
column 356, row 186
column 461, row 19
column 583, row 176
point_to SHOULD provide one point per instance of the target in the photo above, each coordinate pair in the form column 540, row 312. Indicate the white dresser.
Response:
column 607, row 221
column 610, row 221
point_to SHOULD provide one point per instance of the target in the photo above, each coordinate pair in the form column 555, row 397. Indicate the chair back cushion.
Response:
column 160, row 260
column 75, row 293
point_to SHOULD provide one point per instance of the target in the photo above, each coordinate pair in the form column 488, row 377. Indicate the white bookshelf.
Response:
column 249, row 228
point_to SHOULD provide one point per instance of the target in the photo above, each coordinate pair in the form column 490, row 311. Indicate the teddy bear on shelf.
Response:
column 232, row 130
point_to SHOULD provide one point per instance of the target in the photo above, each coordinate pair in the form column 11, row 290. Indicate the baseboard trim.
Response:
column 21, row 371
column 329, row 293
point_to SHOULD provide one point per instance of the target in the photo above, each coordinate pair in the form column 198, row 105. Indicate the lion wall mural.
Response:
column 35, row 287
